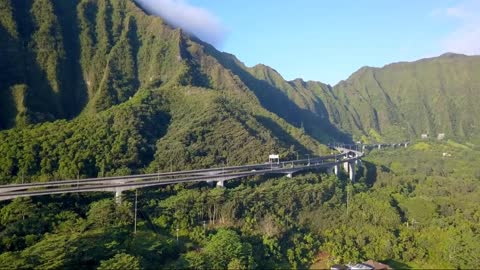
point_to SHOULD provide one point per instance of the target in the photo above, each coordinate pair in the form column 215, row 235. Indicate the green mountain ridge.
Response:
column 406, row 99
column 148, row 97
column 98, row 87
column 399, row 101
column 79, row 66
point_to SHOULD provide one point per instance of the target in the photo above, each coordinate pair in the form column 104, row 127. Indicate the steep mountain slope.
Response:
column 292, row 101
column 62, row 57
column 137, row 95
column 397, row 102
column 404, row 100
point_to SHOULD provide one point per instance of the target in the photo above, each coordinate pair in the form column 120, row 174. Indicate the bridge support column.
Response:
column 351, row 173
column 379, row 146
column 220, row 184
column 333, row 170
column 346, row 167
column 289, row 175
column 118, row 195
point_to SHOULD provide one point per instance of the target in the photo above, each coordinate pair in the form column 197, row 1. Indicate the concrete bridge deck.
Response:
column 347, row 157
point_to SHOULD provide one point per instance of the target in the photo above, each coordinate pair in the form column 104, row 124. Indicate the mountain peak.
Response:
column 451, row 55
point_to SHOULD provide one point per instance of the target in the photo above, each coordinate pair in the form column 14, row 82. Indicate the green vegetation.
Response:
column 140, row 97
column 394, row 103
column 155, row 130
column 404, row 100
column 96, row 88
column 409, row 208
column 86, row 56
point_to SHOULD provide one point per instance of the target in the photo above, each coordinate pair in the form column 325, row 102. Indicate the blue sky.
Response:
column 328, row 40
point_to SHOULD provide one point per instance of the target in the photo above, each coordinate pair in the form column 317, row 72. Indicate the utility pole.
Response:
column 135, row 221
column 177, row 232
column 347, row 188
column 205, row 228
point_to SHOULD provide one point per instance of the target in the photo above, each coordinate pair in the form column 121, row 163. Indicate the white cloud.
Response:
column 466, row 37
column 458, row 12
column 194, row 20
column 465, row 40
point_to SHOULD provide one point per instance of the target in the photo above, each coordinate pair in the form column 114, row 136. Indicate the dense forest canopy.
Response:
column 94, row 88
column 410, row 207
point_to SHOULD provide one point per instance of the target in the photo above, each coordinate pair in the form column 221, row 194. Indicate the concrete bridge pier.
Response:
column 221, row 180
column 379, row 146
column 346, row 167
column 119, row 194
column 289, row 174
column 333, row 170
column 351, row 173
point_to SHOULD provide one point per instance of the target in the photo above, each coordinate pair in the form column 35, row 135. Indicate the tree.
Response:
column 106, row 213
column 120, row 261
column 226, row 246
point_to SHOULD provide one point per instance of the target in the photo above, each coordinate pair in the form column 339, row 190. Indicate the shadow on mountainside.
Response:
column 74, row 93
column 276, row 101
column 371, row 173
column 278, row 132
column 22, row 68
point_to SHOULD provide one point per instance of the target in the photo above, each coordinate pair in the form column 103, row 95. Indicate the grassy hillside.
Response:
column 404, row 100
column 296, row 102
column 137, row 96
column 63, row 59
column 98, row 87
column 397, row 102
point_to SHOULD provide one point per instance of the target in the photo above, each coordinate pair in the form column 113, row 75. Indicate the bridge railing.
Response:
column 155, row 179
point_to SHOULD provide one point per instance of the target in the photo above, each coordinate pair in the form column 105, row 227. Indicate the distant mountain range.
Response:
column 100, row 62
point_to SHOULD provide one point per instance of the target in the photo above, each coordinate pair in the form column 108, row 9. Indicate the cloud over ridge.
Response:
column 466, row 37
column 194, row 20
